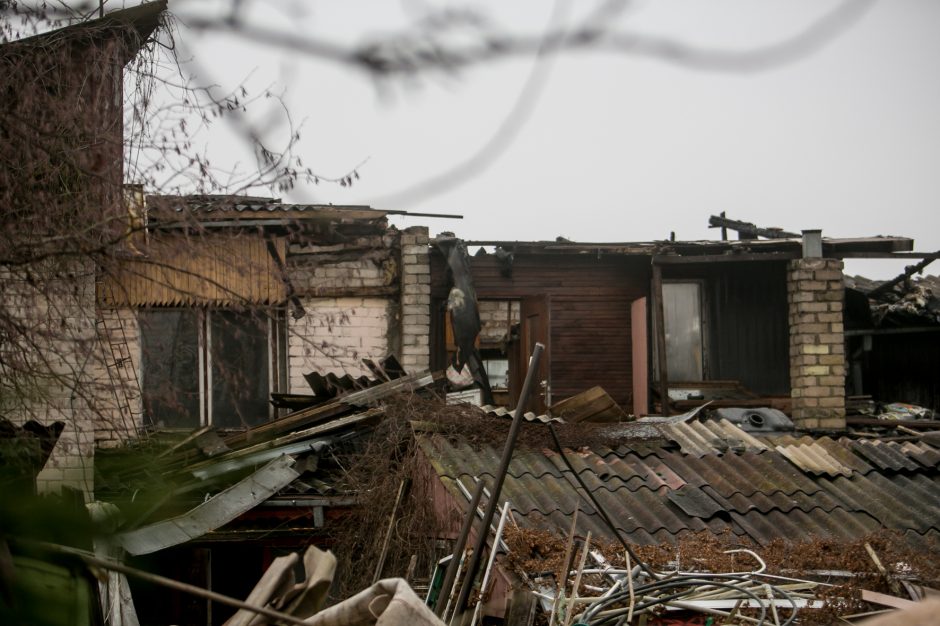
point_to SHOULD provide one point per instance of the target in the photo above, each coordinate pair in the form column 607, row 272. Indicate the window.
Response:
column 685, row 343
column 209, row 367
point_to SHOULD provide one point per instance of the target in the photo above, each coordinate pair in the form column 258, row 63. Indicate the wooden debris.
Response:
column 885, row 600
column 593, row 405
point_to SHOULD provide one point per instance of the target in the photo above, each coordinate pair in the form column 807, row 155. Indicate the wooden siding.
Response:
column 590, row 314
column 747, row 325
column 219, row 269
column 903, row 368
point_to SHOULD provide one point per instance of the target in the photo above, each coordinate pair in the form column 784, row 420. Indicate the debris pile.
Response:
column 818, row 582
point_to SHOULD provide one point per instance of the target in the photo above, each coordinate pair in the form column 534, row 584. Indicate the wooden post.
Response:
column 660, row 316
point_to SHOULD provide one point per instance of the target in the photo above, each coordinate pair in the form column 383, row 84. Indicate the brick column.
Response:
column 815, row 294
column 415, row 299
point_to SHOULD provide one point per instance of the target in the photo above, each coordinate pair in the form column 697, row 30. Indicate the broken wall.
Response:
column 589, row 301
column 364, row 299
column 335, row 335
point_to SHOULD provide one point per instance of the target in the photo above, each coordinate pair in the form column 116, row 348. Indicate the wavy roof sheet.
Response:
column 783, row 488
column 710, row 437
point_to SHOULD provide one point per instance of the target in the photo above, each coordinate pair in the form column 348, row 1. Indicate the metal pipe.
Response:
column 459, row 545
column 493, row 502
column 812, row 244
column 490, row 561
column 486, row 494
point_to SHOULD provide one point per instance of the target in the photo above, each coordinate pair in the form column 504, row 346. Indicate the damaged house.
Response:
column 747, row 322
column 212, row 371
column 128, row 320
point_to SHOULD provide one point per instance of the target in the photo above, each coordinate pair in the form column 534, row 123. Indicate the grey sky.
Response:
column 621, row 147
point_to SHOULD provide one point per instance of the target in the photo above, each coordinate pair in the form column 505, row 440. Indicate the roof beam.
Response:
column 747, row 230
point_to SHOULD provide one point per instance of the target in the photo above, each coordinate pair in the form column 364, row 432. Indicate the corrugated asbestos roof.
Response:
column 774, row 488
column 710, row 437
column 529, row 416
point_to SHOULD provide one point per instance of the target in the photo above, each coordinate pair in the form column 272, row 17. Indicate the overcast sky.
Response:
column 617, row 146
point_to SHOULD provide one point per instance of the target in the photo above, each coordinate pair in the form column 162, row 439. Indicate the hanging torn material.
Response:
column 464, row 314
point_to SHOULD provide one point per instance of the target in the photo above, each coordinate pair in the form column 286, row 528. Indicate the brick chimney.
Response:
column 816, row 295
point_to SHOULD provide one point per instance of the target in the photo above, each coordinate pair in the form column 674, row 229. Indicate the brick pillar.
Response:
column 815, row 294
column 415, row 299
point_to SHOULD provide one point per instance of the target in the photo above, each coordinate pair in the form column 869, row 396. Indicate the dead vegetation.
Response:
column 377, row 466
column 539, row 552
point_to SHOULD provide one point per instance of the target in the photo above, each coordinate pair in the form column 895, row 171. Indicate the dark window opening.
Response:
column 170, row 366
column 239, row 348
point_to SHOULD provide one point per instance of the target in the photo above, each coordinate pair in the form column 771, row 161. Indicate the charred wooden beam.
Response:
column 747, row 230
column 909, row 271
column 350, row 291
column 297, row 308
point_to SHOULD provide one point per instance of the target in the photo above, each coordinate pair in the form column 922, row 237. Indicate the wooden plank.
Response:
column 660, row 316
column 593, row 405
column 366, row 291
column 744, row 257
column 886, row 600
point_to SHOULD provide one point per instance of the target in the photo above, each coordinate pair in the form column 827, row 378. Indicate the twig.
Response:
column 577, row 579
column 562, row 582
column 892, row 583
column 388, row 531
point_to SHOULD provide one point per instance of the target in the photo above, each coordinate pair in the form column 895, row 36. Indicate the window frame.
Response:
column 276, row 355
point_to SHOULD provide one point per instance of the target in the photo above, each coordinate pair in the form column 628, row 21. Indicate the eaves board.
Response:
column 214, row 513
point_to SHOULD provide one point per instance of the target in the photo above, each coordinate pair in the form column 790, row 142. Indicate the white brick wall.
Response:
column 47, row 365
column 496, row 316
column 415, row 299
column 334, row 335
column 364, row 262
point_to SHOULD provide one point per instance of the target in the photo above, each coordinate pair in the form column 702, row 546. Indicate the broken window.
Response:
column 496, row 364
column 210, row 366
